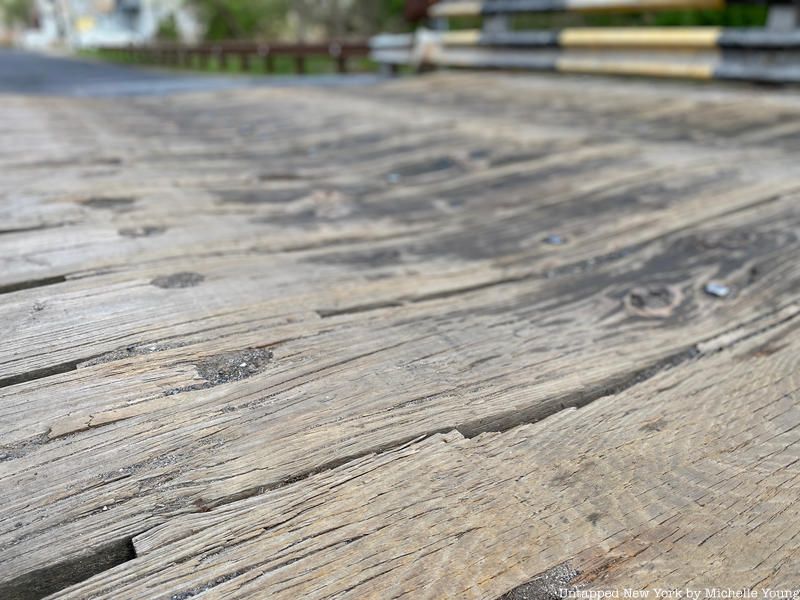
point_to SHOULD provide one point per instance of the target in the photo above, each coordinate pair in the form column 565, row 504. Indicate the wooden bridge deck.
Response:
column 432, row 338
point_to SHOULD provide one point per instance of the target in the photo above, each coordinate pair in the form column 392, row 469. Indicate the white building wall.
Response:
column 90, row 23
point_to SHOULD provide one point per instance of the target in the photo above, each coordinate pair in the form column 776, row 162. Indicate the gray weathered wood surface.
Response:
column 321, row 343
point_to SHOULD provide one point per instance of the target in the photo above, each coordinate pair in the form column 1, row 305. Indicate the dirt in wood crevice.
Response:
column 22, row 447
column 129, row 351
column 550, row 585
column 49, row 580
column 183, row 279
column 215, row 370
column 110, row 203
column 141, row 231
column 87, row 361
column 227, row 367
column 233, row 366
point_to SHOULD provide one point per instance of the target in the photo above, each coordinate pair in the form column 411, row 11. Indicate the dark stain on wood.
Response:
column 110, row 202
column 260, row 196
column 545, row 586
column 183, row 279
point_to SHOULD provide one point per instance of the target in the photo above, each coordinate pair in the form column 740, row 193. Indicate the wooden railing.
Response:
column 247, row 53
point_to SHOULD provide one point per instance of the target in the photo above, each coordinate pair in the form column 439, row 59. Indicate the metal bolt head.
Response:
column 718, row 290
column 555, row 240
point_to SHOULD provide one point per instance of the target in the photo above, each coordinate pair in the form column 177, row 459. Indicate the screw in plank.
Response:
column 718, row 290
column 555, row 240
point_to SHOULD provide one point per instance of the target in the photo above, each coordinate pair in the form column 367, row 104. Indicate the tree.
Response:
column 17, row 12
column 242, row 19
column 299, row 19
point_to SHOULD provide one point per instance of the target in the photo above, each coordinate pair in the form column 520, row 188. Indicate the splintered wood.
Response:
column 430, row 338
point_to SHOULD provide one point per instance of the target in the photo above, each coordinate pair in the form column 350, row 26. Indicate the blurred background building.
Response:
column 87, row 23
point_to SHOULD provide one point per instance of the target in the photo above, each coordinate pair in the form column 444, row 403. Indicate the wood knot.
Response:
column 751, row 241
column 730, row 240
column 654, row 302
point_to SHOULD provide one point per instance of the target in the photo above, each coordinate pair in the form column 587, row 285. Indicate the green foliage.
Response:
column 15, row 12
column 242, row 19
column 168, row 30
column 274, row 19
column 737, row 15
column 387, row 15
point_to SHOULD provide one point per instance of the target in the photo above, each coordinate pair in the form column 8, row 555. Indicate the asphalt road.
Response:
column 30, row 73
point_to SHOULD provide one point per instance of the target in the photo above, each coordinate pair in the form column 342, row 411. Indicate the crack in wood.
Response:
column 54, row 578
column 505, row 422
column 31, row 284
column 48, row 371
column 42, row 227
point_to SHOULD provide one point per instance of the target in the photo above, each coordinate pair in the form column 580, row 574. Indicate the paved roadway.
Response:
column 30, row 73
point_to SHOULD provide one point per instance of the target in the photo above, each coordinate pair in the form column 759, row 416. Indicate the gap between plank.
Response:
column 48, row 371
column 32, row 283
column 507, row 421
column 54, row 578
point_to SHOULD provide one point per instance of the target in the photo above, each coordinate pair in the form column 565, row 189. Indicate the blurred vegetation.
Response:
column 298, row 19
column 293, row 20
column 738, row 15
column 325, row 19
column 168, row 30
column 242, row 19
column 16, row 12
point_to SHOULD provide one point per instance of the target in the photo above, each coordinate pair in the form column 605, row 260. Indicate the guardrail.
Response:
column 459, row 8
column 247, row 53
column 755, row 54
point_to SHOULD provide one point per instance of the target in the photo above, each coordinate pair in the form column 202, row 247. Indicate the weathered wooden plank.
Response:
column 394, row 309
column 498, row 356
column 152, row 187
column 542, row 178
column 648, row 110
column 686, row 479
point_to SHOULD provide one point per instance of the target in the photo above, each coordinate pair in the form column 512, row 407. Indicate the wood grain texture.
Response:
column 208, row 298
column 688, row 479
